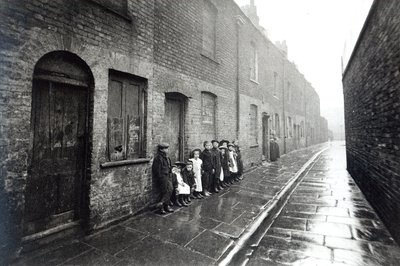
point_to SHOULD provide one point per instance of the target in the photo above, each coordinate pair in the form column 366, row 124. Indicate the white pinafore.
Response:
column 197, row 163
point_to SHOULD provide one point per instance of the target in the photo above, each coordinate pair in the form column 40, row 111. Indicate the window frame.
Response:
column 128, row 79
column 254, row 63
column 208, row 6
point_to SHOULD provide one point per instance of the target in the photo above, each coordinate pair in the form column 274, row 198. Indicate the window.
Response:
column 275, row 84
column 277, row 126
column 125, row 116
column 253, row 63
column 302, row 129
column 209, row 32
column 253, row 124
column 208, row 115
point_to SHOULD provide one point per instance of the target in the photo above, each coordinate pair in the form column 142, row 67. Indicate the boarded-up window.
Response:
column 253, row 124
column 125, row 117
column 208, row 115
column 253, row 62
column 209, row 32
column 120, row 6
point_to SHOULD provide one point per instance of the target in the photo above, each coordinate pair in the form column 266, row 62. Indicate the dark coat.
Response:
column 161, row 170
column 225, row 164
column 188, row 177
column 239, row 160
column 208, row 161
column 217, row 161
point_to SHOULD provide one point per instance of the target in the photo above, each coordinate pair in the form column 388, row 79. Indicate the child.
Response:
column 224, row 165
column 208, row 166
column 197, row 169
column 216, row 180
column 239, row 159
column 181, row 188
column 233, row 169
column 188, row 178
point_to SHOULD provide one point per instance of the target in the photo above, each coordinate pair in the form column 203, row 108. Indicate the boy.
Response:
column 188, row 178
column 208, row 167
column 216, row 180
column 161, row 170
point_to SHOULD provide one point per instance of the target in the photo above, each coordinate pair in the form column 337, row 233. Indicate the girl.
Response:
column 224, row 164
column 181, row 188
column 239, row 159
column 233, row 169
column 197, row 169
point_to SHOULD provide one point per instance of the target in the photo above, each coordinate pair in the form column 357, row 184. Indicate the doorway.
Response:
column 174, row 119
column 55, row 190
column 265, row 137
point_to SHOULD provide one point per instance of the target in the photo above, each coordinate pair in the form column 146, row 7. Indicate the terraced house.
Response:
column 89, row 87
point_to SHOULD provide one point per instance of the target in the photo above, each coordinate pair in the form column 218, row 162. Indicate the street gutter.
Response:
column 242, row 248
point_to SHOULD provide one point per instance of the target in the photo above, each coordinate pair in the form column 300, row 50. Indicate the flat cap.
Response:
column 214, row 141
column 163, row 145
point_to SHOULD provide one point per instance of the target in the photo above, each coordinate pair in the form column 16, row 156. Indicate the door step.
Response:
column 51, row 236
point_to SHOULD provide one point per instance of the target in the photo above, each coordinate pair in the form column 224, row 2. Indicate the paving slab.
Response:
column 205, row 230
column 326, row 221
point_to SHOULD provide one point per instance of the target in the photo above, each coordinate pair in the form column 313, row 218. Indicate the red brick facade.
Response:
column 159, row 43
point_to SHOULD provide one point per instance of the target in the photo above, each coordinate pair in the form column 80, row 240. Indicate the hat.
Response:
column 223, row 147
column 174, row 165
column 163, row 145
column 231, row 144
column 180, row 164
column 214, row 141
column 189, row 163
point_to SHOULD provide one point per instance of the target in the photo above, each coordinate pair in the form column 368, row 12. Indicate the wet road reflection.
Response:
column 327, row 221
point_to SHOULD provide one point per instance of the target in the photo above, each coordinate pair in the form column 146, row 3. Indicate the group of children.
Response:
column 216, row 167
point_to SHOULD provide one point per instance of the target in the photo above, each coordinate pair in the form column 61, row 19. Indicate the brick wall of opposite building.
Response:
column 371, row 84
column 159, row 42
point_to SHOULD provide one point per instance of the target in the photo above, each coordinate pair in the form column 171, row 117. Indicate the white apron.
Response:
column 233, row 167
column 183, row 188
column 197, row 173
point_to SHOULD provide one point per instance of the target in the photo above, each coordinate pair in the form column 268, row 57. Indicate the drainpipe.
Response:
column 305, row 113
column 283, row 107
column 239, row 22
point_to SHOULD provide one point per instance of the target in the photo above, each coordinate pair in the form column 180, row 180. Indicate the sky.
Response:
column 318, row 33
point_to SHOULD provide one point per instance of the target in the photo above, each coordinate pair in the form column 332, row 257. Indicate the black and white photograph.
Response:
column 199, row 132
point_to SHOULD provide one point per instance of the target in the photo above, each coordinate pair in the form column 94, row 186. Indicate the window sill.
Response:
column 124, row 162
column 122, row 15
column 210, row 58
column 254, row 146
column 276, row 97
column 255, row 81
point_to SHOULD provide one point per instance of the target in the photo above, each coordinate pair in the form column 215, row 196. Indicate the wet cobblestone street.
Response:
column 326, row 221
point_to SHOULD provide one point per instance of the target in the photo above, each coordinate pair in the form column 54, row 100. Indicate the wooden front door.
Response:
column 265, row 137
column 174, row 110
column 54, row 186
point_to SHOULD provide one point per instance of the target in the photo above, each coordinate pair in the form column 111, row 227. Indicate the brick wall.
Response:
column 372, row 106
column 160, row 41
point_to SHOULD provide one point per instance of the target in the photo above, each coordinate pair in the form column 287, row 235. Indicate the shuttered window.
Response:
column 125, row 117
column 253, row 124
